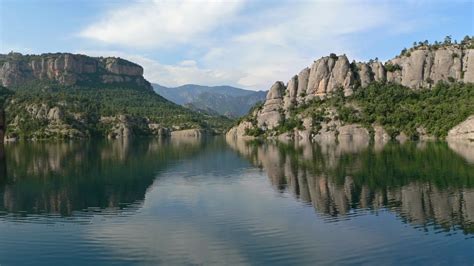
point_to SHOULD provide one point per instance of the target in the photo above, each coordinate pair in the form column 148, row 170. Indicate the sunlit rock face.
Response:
column 464, row 131
column 68, row 69
column 329, row 73
column 425, row 65
column 269, row 117
column 421, row 68
column 239, row 131
column 190, row 133
column 340, row 180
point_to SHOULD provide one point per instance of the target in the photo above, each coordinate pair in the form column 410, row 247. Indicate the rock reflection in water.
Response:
column 61, row 178
column 424, row 184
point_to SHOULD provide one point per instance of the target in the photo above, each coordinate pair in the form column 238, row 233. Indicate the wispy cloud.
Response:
column 239, row 42
column 161, row 23
column 183, row 72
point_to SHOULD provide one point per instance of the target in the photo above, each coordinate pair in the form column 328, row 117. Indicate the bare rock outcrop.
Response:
column 289, row 100
column 68, row 69
column 463, row 131
column 189, row 133
column 270, row 115
column 380, row 135
column 353, row 132
column 421, row 67
column 329, row 73
column 239, row 131
column 425, row 67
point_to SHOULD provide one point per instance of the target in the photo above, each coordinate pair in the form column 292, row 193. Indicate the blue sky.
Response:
column 243, row 43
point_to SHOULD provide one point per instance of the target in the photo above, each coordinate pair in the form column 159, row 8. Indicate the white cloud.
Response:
column 231, row 43
column 185, row 72
column 287, row 38
column 161, row 23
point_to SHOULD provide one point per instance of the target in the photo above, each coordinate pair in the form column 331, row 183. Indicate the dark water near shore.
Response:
column 212, row 202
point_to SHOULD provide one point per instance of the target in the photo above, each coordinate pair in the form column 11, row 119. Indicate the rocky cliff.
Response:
column 68, row 96
column 68, row 69
column 422, row 66
column 463, row 131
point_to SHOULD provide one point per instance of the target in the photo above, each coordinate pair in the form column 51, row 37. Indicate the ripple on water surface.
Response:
column 211, row 202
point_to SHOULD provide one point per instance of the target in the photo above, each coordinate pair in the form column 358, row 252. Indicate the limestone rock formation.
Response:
column 425, row 67
column 68, row 69
column 421, row 67
column 380, row 135
column 353, row 132
column 189, row 133
column 270, row 116
column 463, row 131
column 126, row 126
column 329, row 73
column 239, row 131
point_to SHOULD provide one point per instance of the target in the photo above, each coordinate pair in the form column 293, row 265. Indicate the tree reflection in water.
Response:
column 423, row 183
column 61, row 178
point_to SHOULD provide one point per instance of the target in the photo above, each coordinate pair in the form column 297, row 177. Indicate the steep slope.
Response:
column 76, row 96
column 302, row 105
column 69, row 69
column 225, row 100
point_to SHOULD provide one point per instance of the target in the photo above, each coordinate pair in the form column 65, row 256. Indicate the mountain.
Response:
column 69, row 69
column 224, row 100
column 66, row 95
column 423, row 92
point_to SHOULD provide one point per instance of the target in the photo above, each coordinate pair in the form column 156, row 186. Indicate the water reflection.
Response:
column 425, row 184
column 61, row 178
column 187, row 202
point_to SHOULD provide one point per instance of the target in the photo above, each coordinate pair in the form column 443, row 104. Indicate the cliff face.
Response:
column 463, row 131
column 421, row 67
column 68, row 69
column 107, row 97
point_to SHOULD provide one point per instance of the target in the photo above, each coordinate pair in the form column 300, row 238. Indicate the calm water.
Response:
column 213, row 202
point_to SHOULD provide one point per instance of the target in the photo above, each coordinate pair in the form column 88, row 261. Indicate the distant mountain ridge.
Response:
column 225, row 100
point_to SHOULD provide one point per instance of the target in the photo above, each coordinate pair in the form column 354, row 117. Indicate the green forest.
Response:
column 92, row 103
column 395, row 107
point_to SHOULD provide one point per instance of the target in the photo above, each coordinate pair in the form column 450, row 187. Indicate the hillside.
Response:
column 76, row 96
column 421, row 93
column 224, row 100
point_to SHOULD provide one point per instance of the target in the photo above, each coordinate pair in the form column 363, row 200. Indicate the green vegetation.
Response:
column 396, row 108
column 92, row 103
column 289, row 124
column 467, row 42
column 392, row 67
column 372, row 175
column 399, row 109
column 254, row 132
column 4, row 95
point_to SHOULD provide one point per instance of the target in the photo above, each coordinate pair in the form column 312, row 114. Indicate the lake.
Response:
column 188, row 201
